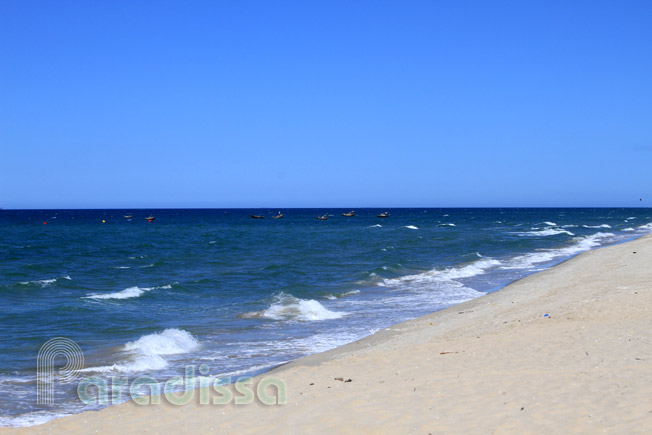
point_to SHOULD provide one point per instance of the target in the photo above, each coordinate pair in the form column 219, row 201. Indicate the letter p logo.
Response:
column 45, row 374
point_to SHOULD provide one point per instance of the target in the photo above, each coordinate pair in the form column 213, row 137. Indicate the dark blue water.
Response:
column 242, row 295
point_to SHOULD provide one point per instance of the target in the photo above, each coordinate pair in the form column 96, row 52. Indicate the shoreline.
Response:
column 474, row 339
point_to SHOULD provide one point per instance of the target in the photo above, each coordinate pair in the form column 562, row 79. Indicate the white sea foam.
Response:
column 448, row 274
column 44, row 282
column 122, row 267
column 629, row 229
column 552, row 224
column 646, row 227
column 30, row 418
column 446, row 225
column 148, row 352
column 545, row 232
column 597, row 226
column 131, row 292
column 287, row 307
column 412, row 227
column 375, row 226
column 581, row 244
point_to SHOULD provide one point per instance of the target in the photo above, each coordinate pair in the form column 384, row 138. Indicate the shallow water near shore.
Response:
column 242, row 295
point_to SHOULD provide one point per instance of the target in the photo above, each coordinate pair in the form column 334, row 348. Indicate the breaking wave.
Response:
column 44, row 282
column 148, row 352
column 284, row 306
column 545, row 232
column 131, row 292
column 581, row 244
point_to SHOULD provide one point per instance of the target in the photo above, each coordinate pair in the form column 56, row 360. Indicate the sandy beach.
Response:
column 567, row 350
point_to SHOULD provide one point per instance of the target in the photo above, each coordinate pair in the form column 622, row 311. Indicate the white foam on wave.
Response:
column 341, row 295
column 148, row 352
column 131, row 292
column 597, row 226
column 629, row 229
column 375, row 226
column 448, row 274
column 446, row 225
column 412, row 227
column 45, row 282
column 646, row 227
column 546, row 232
column 552, row 224
column 284, row 306
column 581, row 244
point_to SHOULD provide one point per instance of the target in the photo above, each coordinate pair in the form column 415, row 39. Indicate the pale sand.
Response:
column 491, row 365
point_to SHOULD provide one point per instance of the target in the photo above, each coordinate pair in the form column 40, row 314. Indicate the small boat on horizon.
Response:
column 349, row 214
column 150, row 218
column 255, row 216
column 278, row 216
column 383, row 215
column 128, row 216
column 323, row 217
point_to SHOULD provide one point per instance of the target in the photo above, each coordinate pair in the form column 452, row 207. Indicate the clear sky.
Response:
column 325, row 103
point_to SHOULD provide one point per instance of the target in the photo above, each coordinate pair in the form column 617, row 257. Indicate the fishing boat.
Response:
column 323, row 217
column 349, row 214
column 278, row 216
column 150, row 218
column 383, row 215
column 128, row 216
column 255, row 216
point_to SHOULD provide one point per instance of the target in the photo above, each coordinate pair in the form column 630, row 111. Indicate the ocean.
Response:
column 242, row 295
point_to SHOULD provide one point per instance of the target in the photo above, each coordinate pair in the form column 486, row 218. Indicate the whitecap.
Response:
column 375, row 226
column 287, row 307
column 41, row 282
column 448, row 274
column 148, row 352
column 597, row 226
column 131, row 292
column 581, row 244
column 412, row 227
column 546, row 232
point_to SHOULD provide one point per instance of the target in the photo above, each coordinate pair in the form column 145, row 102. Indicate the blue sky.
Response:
column 329, row 103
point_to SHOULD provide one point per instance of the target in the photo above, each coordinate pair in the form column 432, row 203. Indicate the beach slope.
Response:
column 565, row 350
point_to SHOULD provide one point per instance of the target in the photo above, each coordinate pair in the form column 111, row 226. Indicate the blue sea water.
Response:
column 243, row 295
